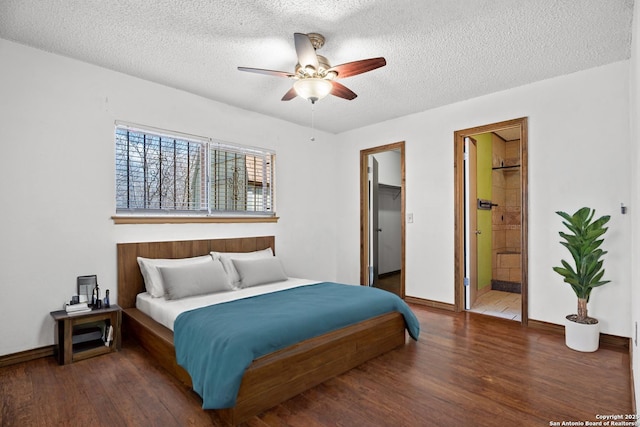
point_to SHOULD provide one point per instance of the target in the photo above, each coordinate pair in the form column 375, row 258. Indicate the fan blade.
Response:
column 358, row 67
column 342, row 91
column 306, row 52
column 267, row 72
column 291, row 93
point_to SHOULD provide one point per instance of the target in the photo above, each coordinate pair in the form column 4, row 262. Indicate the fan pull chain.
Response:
column 313, row 109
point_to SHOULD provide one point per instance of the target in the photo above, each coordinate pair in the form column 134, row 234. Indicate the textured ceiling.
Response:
column 437, row 51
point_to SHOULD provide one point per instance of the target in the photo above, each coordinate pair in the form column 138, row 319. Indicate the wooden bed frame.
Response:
column 270, row 379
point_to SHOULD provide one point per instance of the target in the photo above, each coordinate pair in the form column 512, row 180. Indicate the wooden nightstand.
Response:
column 68, row 324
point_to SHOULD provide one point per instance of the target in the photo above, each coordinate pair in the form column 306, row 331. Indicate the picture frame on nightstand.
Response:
column 86, row 284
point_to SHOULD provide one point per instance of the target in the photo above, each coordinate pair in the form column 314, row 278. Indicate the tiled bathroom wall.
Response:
column 506, row 217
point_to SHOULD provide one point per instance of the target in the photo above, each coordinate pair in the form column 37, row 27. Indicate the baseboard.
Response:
column 27, row 355
column 430, row 303
column 605, row 339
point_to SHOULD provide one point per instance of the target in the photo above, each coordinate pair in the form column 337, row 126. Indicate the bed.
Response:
column 274, row 377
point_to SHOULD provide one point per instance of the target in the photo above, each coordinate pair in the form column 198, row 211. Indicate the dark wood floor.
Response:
column 466, row 370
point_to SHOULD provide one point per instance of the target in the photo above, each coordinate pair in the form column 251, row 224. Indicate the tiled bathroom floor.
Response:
column 499, row 304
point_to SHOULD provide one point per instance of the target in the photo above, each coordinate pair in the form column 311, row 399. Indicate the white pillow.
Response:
column 181, row 281
column 152, row 277
column 259, row 271
column 226, row 257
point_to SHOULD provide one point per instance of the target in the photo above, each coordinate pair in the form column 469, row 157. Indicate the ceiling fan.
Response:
column 314, row 76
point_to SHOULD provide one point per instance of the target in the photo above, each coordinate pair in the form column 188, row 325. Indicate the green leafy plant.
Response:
column 583, row 242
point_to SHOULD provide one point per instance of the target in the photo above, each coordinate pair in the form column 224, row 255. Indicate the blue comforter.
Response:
column 216, row 344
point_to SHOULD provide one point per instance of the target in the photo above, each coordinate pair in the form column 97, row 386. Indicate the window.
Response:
column 158, row 172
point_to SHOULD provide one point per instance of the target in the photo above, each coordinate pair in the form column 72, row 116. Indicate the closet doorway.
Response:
column 382, row 213
column 491, row 238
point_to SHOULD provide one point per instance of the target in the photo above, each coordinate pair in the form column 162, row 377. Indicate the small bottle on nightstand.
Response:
column 96, row 299
column 106, row 299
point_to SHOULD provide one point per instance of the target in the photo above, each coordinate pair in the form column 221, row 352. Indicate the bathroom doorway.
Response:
column 382, row 212
column 491, row 219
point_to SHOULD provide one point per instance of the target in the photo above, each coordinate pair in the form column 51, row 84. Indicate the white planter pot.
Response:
column 581, row 337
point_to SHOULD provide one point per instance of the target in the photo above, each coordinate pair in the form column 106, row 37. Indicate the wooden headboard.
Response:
column 130, row 281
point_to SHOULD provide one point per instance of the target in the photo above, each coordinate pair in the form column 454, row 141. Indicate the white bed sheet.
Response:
column 166, row 311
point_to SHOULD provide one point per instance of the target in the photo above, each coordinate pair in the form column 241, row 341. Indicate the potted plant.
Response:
column 582, row 333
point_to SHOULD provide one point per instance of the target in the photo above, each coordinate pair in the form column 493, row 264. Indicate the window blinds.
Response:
column 161, row 172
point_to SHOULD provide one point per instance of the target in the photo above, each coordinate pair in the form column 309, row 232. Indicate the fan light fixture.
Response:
column 313, row 89
column 314, row 76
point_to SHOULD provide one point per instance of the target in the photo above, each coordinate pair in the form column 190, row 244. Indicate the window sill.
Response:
column 164, row 219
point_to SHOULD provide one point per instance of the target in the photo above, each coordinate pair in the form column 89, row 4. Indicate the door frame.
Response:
column 373, row 215
column 472, row 168
column 458, row 138
column 364, row 217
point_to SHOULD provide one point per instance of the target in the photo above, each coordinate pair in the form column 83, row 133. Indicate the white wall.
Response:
column 579, row 148
column 57, row 182
column 634, row 209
